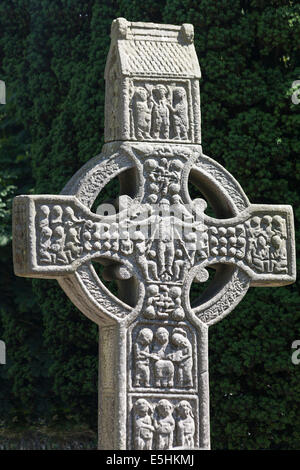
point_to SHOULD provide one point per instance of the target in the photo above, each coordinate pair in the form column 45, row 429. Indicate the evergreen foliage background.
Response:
column 52, row 58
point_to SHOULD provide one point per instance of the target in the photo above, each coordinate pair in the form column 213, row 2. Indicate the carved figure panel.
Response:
column 163, row 424
column 160, row 111
column 260, row 242
column 163, row 357
column 267, row 244
column 163, row 240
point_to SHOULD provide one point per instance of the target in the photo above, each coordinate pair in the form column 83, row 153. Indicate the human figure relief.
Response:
column 57, row 213
column 58, row 245
column 70, row 217
column 179, row 264
column 177, row 312
column 141, row 109
column 180, row 114
column 153, row 175
column 182, row 357
column 126, row 244
column 44, row 216
column 260, row 254
column 163, row 368
column 164, row 425
column 45, row 244
column 185, row 425
column 152, row 264
column 73, row 227
column 141, row 250
column 87, row 235
column 253, row 232
column 191, row 240
column 160, row 113
column 152, row 296
column 278, row 255
column 266, row 227
column 279, row 226
column 165, row 242
column 142, row 357
column 73, row 246
column 143, row 428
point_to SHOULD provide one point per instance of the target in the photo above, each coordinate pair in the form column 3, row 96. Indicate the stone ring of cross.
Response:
column 155, row 242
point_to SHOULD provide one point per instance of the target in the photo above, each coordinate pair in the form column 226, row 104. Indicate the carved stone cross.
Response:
column 155, row 241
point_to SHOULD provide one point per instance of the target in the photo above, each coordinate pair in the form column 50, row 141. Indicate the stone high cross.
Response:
column 153, row 355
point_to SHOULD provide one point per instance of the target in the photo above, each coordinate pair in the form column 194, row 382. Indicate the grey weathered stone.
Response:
column 153, row 354
column 2, row 92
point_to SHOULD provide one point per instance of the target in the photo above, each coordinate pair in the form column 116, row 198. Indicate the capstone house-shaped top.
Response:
column 149, row 96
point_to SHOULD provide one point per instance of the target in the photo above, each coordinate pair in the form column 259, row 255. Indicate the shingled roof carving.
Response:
column 145, row 51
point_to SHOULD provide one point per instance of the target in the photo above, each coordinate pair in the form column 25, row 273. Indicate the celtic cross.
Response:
column 154, row 241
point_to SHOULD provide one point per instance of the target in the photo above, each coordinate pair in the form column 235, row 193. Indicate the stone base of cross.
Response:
column 154, row 241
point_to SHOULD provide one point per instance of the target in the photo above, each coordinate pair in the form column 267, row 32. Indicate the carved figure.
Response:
column 152, row 264
column 141, row 251
column 143, row 428
column 126, row 244
column 279, row 226
column 142, row 109
column 185, row 425
column 160, row 113
column 45, row 244
column 73, row 245
column 177, row 312
column 57, row 213
column 182, row 357
column 142, row 357
column 163, row 368
column 164, row 424
column 278, row 255
column 70, row 217
column 260, row 254
column 44, row 216
column 179, row 263
column 153, row 294
column 57, row 246
column 180, row 114
column 165, row 242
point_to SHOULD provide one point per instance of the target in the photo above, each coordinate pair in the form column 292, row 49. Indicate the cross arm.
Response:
column 54, row 235
column 260, row 240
